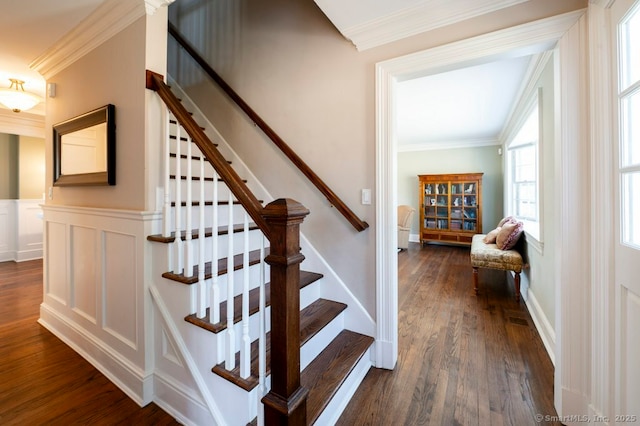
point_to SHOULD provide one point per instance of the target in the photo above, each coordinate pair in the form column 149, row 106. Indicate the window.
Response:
column 522, row 172
column 629, row 99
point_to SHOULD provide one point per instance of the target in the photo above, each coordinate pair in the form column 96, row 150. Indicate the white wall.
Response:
column 314, row 89
column 462, row 160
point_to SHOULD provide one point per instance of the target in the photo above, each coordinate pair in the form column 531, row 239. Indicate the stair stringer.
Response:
column 187, row 397
column 198, row 350
column 356, row 316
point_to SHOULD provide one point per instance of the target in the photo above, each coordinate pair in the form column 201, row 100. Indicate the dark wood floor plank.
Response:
column 462, row 359
column 42, row 380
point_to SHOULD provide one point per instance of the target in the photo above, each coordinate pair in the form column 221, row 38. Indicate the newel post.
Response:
column 286, row 403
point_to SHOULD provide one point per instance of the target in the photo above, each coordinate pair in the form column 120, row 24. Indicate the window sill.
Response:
column 532, row 241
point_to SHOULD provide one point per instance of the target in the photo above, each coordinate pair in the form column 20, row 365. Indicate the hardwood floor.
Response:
column 42, row 380
column 463, row 359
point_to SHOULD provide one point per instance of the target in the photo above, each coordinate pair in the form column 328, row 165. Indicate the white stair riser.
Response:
column 223, row 190
column 317, row 343
column 255, row 242
column 238, row 281
column 238, row 216
column 307, row 292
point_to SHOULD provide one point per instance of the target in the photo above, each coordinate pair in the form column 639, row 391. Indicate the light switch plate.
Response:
column 366, row 196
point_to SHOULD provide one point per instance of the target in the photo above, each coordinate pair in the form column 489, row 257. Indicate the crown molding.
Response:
column 22, row 123
column 106, row 21
column 525, row 39
column 457, row 144
column 426, row 16
column 152, row 5
column 527, row 90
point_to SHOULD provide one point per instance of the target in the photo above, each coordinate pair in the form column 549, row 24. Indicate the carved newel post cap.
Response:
column 285, row 208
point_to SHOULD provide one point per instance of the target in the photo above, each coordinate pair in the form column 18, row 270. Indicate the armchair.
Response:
column 405, row 214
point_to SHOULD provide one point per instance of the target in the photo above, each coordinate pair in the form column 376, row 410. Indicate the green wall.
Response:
column 8, row 167
column 22, row 165
column 460, row 160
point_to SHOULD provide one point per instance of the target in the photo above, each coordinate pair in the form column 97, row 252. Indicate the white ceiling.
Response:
column 467, row 106
column 464, row 107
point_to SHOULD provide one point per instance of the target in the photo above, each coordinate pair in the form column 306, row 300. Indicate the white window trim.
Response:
column 533, row 229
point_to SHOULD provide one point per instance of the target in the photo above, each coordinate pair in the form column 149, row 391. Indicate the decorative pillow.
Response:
column 509, row 235
column 490, row 238
column 505, row 220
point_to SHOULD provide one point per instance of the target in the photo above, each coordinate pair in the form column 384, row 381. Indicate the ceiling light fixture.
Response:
column 16, row 99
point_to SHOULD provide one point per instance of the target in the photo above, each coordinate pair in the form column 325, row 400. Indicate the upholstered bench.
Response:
column 489, row 256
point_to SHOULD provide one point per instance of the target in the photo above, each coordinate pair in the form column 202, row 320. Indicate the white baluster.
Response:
column 245, row 351
column 202, row 288
column 179, row 249
column 230, row 363
column 189, row 222
column 166, row 204
column 262, row 346
column 214, row 304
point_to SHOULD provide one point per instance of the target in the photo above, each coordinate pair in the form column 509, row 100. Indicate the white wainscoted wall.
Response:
column 20, row 230
column 95, row 290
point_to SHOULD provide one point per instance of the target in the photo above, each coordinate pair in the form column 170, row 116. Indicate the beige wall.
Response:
column 113, row 73
column 463, row 160
column 310, row 84
column 31, row 167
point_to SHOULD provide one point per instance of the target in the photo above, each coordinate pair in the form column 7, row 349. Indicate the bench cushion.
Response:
column 490, row 256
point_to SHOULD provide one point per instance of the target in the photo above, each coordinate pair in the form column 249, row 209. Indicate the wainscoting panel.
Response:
column 120, row 301
column 29, row 225
column 7, row 230
column 20, row 230
column 96, row 297
column 56, row 279
column 84, row 276
column 629, row 385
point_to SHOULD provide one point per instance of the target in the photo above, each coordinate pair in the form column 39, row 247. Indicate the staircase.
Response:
column 221, row 319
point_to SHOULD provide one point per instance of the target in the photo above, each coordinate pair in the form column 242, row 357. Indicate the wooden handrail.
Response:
column 237, row 186
column 331, row 196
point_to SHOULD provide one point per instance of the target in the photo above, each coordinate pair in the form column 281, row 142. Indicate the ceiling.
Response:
column 464, row 107
column 29, row 28
column 467, row 106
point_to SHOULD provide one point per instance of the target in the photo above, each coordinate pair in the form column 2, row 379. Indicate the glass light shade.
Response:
column 16, row 99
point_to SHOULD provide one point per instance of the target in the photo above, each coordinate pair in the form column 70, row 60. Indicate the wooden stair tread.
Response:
column 313, row 318
column 306, row 278
column 185, row 139
column 324, row 376
column 197, row 178
column 209, row 203
column 254, row 258
column 222, row 230
column 185, row 156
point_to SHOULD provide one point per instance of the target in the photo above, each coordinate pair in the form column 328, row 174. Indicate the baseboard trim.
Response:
column 167, row 389
column 25, row 255
column 542, row 324
column 129, row 378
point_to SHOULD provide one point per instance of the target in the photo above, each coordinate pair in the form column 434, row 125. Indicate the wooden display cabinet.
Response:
column 450, row 207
